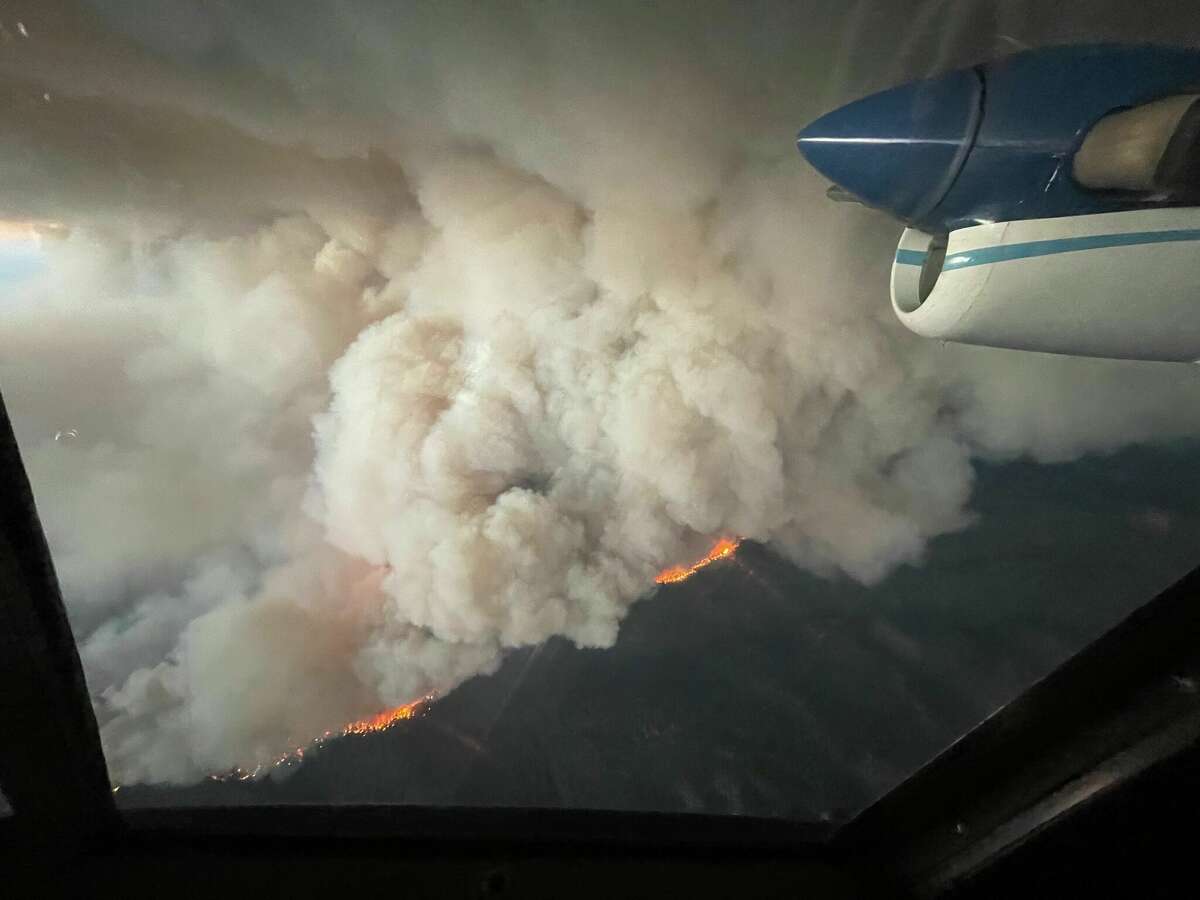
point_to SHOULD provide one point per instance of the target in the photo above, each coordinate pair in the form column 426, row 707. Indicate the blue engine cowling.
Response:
column 995, row 142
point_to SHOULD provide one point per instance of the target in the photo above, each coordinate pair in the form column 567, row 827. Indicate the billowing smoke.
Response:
column 381, row 342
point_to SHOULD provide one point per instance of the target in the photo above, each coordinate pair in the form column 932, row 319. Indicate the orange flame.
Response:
column 722, row 549
column 385, row 720
column 378, row 722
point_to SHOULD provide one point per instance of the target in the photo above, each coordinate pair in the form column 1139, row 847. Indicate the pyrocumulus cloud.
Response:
column 390, row 341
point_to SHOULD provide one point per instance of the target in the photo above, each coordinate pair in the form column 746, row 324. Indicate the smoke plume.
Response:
column 380, row 342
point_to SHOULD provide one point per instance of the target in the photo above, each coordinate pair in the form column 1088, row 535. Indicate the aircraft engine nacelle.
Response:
column 1124, row 285
column 1051, row 198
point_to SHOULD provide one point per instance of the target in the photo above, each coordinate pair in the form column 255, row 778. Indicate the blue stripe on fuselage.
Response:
column 983, row 256
column 911, row 257
column 1007, row 252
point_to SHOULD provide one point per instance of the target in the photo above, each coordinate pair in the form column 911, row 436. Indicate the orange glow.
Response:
column 20, row 230
column 385, row 720
column 378, row 722
column 17, row 231
column 722, row 549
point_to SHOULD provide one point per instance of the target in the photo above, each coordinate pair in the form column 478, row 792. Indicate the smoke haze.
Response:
column 392, row 340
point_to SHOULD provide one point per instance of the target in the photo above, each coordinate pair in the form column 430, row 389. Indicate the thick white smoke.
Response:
column 392, row 340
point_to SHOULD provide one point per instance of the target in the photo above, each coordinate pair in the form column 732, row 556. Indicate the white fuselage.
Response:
column 1124, row 285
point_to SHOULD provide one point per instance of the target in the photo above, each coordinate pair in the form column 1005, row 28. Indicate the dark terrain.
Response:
column 754, row 688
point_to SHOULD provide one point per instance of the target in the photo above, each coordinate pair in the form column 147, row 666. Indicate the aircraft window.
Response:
column 476, row 404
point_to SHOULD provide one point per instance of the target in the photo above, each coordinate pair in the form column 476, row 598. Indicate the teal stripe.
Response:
column 911, row 257
column 1005, row 252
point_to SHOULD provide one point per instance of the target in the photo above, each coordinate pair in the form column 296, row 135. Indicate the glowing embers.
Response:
column 385, row 720
column 722, row 549
column 379, row 722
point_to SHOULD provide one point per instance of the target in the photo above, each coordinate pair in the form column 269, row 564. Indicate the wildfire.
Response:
column 378, row 722
column 385, row 720
column 722, row 549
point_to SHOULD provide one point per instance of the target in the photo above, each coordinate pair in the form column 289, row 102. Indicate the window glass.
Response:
column 485, row 404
